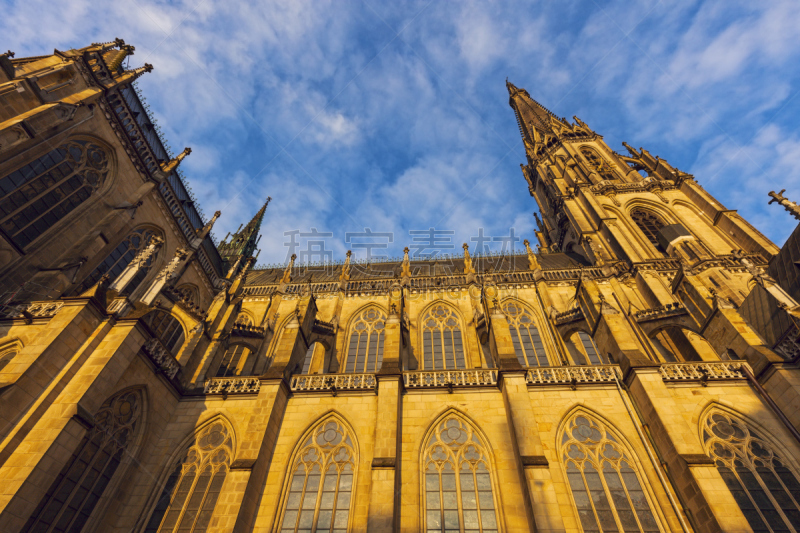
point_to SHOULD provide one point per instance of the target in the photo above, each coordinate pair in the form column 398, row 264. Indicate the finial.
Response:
column 345, row 275
column 172, row 164
column 205, row 230
column 468, row 269
column 533, row 263
column 348, row 254
column 9, row 54
column 630, row 149
column 287, row 273
column 115, row 58
column 406, row 273
column 790, row 206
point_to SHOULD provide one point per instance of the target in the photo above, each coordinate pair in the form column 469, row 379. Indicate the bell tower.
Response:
column 612, row 208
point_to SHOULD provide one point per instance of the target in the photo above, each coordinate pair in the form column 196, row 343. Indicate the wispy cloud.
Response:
column 394, row 116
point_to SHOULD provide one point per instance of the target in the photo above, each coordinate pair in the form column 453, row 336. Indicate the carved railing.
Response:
column 162, row 358
column 333, row 382
column 248, row 330
column 570, row 315
column 450, row 378
column 662, row 311
column 702, row 371
column 233, row 385
column 572, row 375
column 31, row 310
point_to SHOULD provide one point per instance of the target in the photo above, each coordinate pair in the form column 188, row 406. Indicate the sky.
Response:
column 393, row 117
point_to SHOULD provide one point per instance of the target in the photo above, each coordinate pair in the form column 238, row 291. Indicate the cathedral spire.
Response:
column 114, row 58
column 533, row 118
column 243, row 242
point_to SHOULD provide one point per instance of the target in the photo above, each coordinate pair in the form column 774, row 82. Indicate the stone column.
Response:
column 384, row 505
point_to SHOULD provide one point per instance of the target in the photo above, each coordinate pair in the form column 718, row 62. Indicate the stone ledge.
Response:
column 384, row 462
column 534, row 461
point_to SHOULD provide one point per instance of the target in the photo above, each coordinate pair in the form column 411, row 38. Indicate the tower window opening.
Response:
column 649, row 223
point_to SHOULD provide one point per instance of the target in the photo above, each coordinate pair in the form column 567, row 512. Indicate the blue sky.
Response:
column 394, row 116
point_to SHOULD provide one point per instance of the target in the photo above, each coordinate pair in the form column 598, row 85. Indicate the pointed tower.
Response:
column 243, row 242
column 611, row 208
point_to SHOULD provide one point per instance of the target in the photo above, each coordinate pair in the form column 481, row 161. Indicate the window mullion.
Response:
column 628, row 496
column 40, row 214
column 198, row 471
column 589, row 494
column 78, row 166
column 459, row 504
column 203, row 500
column 747, row 491
column 78, row 483
column 769, row 495
column 318, row 501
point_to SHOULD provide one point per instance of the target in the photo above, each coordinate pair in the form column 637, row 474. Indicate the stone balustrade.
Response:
column 332, row 382
column 233, row 385
column 702, row 371
column 568, row 316
column 572, row 375
column 162, row 358
column 31, row 310
column 450, row 378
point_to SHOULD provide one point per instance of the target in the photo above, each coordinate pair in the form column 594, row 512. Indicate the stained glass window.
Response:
column 525, row 336
column 649, row 223
column 319, row 494
column 74, row 494
column 766, row 489
column 583, row 349
column 442, row 346
column 605, row 485
column 458, row 482
column 35, row 197
column 187, row 501
column 233, row 361
column 118, row 259
column 365, row 351
column 167, row 328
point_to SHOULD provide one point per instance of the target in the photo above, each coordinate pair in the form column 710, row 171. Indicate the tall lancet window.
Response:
column 649, row 223
column 76, row 491
column 525, row 336
column 606, row 487
column 318, row 497
column 233, row 361
column 35, row 197
column 458, row 481
column 442, row 346
column 120, row 257
column 188, row 499
column 365, row 351
column 761, row 482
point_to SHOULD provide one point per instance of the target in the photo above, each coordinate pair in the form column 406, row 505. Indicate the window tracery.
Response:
column 365, row 351
column 233, row 361
column 243, row 319
column 189, row 292
column 36, row 196
column 188, row 499
column 319, row 493
column 442, row 345
column 525, row 336
column 763, row 485
column 76, row 491
column 649, row 223
column 458, row 484
column 118, row 259
column 167, row 328
column 598, row 163
column 603, row 478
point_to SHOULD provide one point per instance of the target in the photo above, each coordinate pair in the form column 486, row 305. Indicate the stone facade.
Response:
column 151, row 380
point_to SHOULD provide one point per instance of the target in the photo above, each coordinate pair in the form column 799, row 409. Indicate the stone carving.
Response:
column 450, row 378
column 161, row 357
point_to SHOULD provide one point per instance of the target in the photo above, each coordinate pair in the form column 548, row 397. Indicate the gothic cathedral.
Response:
column 637, row 371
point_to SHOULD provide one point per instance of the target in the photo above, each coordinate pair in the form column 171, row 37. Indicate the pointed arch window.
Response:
column 605, row 484
column 442, row 345
column 167, row 328
column 649, row 223
column 188, row 499
column 74, row 494
column 766, row 489
column 320, row 488
column 35, row 197
column 7, row 354
column 365, row 351
column 233, row 361
column 458, row 482
column 120, row 257
column 583, row 349
column 525, row 336
column 597, row 163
